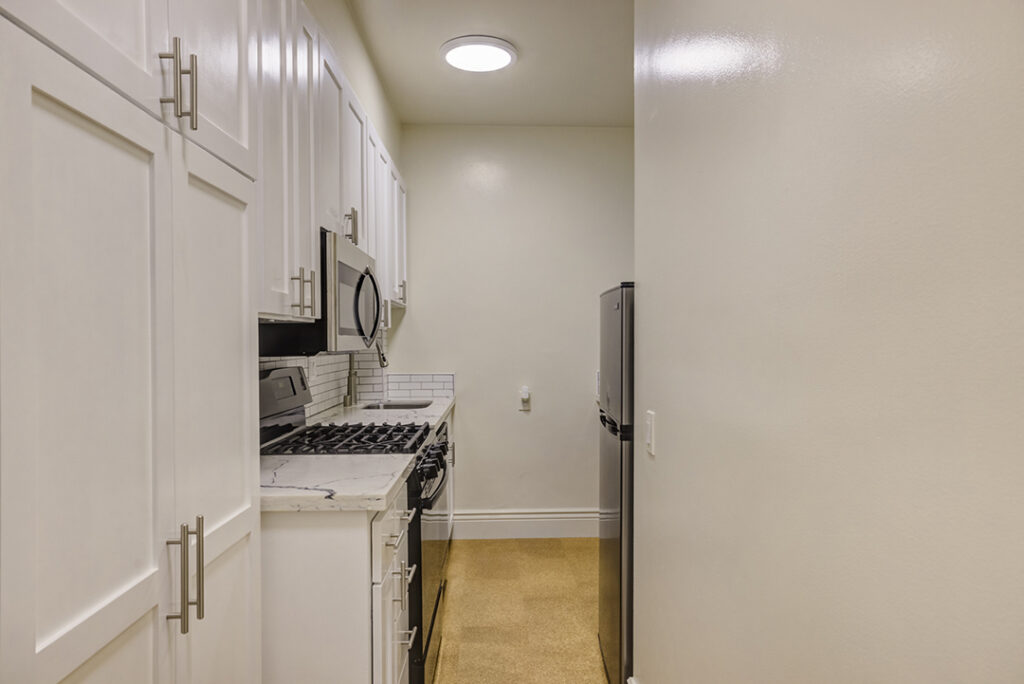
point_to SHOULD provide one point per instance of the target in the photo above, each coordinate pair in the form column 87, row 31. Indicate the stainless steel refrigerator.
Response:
column 615, row 571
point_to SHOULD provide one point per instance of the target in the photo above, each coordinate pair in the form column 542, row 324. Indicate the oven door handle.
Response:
column 429, row 503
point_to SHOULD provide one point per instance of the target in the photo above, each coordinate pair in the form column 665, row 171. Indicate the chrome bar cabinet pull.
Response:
column 185, row 602
column 301, row 278
column 403, row 594
column 193, row 82
column 394, row 540
column 353, row 218
column 175, row 56
column 176, row 73
column 200, row 602
column 301, row 306
column 411, row 638
column 182, row 613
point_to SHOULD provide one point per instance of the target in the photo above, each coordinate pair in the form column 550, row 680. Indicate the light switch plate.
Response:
column 649, row 432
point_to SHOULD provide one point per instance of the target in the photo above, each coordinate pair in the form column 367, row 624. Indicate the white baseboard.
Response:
column 526, row 523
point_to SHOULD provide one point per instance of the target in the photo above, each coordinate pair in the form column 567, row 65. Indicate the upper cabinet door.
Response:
column 279, row 292
column 401, row 239
column 330, row 105
column 396, row 238
column 304, row 80
column 384, row 210
column 353, row 171
column 371, row 222
column 85, row 414
column 119, row 40
column 222, row 36
column 289, row 235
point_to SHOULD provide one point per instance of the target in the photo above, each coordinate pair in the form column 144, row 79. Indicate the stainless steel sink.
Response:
column 398, row 404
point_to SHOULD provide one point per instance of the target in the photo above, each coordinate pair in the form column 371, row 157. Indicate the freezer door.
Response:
column 611, row 354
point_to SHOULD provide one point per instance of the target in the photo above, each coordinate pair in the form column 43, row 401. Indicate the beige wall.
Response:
column 830, row 298
column 335, row 18
column 513, row 234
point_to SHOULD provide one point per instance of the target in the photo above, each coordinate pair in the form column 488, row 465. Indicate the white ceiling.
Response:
column 575, row 62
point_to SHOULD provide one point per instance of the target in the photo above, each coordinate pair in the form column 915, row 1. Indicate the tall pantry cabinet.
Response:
column 127, row 360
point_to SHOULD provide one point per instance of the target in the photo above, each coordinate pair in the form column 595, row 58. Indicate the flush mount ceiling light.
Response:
column 479, row 53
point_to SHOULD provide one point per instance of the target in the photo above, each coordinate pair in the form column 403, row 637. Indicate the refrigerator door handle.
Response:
column 609, row 424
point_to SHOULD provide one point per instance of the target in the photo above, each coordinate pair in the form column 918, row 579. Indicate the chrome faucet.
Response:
column 353, row 382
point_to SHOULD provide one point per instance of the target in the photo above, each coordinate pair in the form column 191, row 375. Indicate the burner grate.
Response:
column 404, row 438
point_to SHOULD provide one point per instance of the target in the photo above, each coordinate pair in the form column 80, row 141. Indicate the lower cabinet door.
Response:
column 84, row 413
column 216, row 467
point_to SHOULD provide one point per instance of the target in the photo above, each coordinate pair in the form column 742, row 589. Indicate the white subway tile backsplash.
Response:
column 327, row 375
column 422, row 385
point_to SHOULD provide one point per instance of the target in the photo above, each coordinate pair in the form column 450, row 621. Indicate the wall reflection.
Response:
column 710, row 57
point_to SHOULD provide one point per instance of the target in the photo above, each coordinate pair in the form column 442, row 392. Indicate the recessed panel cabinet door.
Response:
column 330, row 106
column 222, row 35
column 278, row 292
column 372, row 220
column 353, row 171
column 216, row 467
column 120, row 40
column 401, row 236
column 384, row 209
column 305, row 74
column 85, row 418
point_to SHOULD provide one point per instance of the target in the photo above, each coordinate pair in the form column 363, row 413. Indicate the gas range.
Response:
column 284, row 395
column 351, row 438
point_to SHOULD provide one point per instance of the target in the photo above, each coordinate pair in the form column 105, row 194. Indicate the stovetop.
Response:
column 355, row 438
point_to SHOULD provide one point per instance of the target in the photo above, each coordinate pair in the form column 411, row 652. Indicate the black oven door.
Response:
column 435, row 530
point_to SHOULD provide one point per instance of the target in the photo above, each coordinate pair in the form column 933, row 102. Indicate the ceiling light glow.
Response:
column 479, row 53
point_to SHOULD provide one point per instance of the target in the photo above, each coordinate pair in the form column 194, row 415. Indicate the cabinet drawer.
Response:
column 389, row 537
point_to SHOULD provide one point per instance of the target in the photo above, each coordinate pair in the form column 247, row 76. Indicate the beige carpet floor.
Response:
column 521, row 611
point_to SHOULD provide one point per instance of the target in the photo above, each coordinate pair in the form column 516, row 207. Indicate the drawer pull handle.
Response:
column 394, row 540
column 411, row 638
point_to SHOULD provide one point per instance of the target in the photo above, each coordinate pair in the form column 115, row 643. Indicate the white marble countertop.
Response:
column 438, row 410
column 344, row 482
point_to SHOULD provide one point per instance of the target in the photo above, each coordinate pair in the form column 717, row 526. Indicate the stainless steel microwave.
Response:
column 353, row 310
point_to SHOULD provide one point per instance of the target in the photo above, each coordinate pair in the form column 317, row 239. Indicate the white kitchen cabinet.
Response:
column 118, row 41
column 127, row 354
column 340, row 147
column 305, row 84
column 335, row 596
column 222, row 34
column 384, row 213
column 354, row 129
column 85, row 418
column 330, row 104
column 121, row 42
column 392, row 211
column 215, row 472
column 289, row 242
column 399, row 275
column 371, row 220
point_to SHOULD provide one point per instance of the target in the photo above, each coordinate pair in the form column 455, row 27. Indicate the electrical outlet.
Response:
column 649, row 432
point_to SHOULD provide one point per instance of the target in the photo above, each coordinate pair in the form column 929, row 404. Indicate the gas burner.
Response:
column 355, row 438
